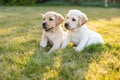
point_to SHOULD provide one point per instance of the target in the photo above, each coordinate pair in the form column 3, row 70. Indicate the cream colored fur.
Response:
column 53, row 32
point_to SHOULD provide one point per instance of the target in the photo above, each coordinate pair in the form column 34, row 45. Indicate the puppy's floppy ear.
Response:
column 83, row 18
column 41, row 15
column 59, row 19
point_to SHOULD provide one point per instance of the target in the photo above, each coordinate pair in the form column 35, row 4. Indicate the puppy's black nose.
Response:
column 44, row 25
column 66, row 25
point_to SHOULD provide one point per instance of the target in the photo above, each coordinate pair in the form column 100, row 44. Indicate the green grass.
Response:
column 21, row 58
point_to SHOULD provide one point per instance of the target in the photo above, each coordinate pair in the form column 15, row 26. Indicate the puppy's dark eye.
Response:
column 73, row 19
column 67, row 17
column 51, row 19
column 43, row 19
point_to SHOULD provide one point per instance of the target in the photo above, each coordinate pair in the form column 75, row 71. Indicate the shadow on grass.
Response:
column 62, row 64
column 38, row 63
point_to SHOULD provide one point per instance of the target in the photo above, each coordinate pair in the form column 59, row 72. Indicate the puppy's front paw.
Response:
column 48, row 52
column 76, row 49
column 62, row 47
column 42, row 45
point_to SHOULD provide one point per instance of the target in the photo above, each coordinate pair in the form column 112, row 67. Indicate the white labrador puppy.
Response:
column 52, row 30
column 78, row 33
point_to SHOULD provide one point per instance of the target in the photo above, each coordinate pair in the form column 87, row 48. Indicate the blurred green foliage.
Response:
column 60, row 2
column 18, row 2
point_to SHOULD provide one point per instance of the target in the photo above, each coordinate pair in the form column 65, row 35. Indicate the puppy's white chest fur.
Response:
column 77, row 35
column 56, row 35
column 52, row 36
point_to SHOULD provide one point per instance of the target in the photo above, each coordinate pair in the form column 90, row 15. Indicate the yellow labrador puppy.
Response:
column 78, row 33
column 52, row 30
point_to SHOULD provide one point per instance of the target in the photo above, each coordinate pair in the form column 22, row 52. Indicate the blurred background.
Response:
column 96, row 3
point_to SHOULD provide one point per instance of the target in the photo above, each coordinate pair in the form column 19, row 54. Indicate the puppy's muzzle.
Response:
column 44, row 25
column 66, row 25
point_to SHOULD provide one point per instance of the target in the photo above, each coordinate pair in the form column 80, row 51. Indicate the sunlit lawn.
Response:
column 21, row 58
